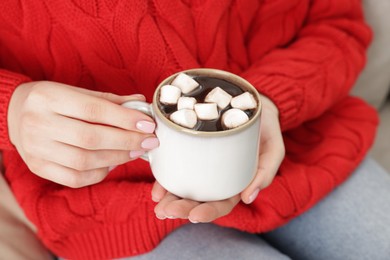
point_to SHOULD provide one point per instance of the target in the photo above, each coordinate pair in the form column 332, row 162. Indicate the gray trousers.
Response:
column 353, row 222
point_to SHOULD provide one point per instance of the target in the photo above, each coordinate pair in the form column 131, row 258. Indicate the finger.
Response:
column 101, row 111
column 209, row 211
column 158, row 192
column 159, row 210
column 269, row 161
column 180, row 208
column 66, row 176
column 99, row 137
column 81, row 159
column 117, row 99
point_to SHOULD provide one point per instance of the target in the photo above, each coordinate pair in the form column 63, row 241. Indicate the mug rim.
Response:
column 216, row 73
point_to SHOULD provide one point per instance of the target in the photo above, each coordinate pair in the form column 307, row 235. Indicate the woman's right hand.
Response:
column 72, row 136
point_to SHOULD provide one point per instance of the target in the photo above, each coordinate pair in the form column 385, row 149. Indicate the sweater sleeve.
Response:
column 315, row 68
column 8, row 83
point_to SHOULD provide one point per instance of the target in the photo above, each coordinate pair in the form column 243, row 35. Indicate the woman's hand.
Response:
column 171, row 206
column 272, row 151
column 270, row 157
column 72, row 136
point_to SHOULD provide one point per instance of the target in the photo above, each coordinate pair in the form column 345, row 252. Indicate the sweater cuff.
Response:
column 283, row 91
column 9, row 81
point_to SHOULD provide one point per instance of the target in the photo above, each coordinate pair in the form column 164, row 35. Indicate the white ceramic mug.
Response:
column 203, row 166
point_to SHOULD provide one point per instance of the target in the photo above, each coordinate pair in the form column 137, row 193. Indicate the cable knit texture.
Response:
column 303, row 54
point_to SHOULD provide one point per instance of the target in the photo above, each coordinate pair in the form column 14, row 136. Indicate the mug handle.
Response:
column 145, row 108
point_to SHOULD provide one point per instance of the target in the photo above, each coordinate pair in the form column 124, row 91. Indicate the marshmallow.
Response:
column 169, row 94
column 219, row 96
column 186, row 103
column 244, row 101
column 234, row 117
column 184, row 117
column 185, row 83
column 206, row 111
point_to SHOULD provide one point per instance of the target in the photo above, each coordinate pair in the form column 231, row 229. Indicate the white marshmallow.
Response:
column 184, row 117
column 244, row 101
column 186, row 103
column 185, row 83
column 169, row 94
column 206, row 111
column 234, row 117
column 219, row 96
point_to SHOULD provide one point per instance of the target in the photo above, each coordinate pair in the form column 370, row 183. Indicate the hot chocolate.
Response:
column 224, row 95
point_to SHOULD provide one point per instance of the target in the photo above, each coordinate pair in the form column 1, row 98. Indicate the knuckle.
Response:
column 82, row 179
column 88, row 138
column 99, row 177
column 39, row 168
column 80, row 161
column 37, row 94
column 93, row 111
column 74, row 180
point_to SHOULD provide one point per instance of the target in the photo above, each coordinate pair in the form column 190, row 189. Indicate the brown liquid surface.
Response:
column 206, row 85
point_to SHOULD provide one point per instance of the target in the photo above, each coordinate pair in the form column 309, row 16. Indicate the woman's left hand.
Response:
column 271, row 155
column 171, row 206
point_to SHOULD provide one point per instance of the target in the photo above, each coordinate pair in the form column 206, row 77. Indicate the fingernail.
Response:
column 160, row 217
column 150, row 143
column 145, row 126
column 193, row 221
column 136, row 154
column 171, row 217
column 253, row 196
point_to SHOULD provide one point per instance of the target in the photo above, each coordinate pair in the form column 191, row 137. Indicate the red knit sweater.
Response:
column 303, row 54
